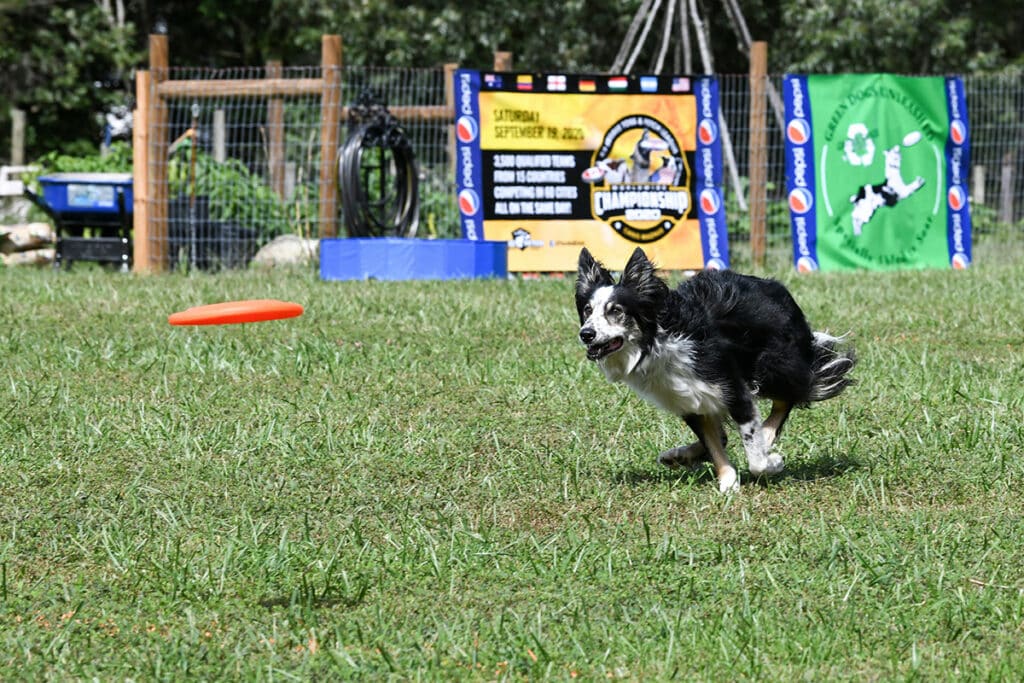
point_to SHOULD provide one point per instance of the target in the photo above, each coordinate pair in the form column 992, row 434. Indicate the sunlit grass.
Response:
column 428, row 479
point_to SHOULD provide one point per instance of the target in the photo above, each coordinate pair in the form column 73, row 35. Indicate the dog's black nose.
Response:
column 587, row 335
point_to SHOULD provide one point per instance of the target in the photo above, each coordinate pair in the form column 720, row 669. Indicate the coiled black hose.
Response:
column 377, row 175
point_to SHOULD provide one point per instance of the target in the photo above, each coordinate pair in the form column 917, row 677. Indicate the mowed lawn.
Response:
column 428, row 480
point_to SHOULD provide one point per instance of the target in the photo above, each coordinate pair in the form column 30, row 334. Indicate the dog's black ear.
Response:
column 589, row 277
column 637, row 268
column 591, row 274
column 639, row 275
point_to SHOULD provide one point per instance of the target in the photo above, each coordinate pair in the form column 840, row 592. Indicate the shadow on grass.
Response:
column 637, row 476
column 825, row 467
column 309, row 604
column 309, row 599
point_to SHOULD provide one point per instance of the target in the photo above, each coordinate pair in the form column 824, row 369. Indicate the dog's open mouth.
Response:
column 599, row 351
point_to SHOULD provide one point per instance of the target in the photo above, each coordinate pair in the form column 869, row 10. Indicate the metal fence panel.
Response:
column 243, row 189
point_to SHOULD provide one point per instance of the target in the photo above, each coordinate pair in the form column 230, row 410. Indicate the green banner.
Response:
column 877, row 166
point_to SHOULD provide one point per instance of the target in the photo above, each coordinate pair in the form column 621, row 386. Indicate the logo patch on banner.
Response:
column 875, row 170
column 639, row 195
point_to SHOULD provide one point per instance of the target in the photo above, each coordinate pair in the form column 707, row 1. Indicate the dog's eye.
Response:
column 587, row 310
column 615, row 310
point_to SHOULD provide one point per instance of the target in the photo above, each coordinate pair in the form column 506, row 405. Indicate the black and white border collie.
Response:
column 706, row 351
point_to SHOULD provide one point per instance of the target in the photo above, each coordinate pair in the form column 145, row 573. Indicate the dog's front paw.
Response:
column 728, row 481
column 683, row 456
column 772, row 464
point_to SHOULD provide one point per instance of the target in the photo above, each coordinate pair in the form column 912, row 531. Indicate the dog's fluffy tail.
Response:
column 832, row 364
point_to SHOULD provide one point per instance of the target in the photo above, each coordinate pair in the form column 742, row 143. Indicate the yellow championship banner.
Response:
column 551, row 163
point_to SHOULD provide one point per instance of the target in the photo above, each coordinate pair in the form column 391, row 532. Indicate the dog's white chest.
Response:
column 667, row 380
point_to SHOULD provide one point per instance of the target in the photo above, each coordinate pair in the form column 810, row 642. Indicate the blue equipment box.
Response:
column 392, row 258
column 92, row 193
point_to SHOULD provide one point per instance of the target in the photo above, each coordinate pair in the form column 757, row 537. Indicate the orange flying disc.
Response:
column 230, row 312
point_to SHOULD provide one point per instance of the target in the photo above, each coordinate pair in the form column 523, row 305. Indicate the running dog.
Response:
column 707, row 351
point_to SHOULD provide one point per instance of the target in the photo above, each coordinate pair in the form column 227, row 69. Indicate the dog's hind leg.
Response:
column 776, row 419
column 759, row 460
column 714, row 441
column 686, row 456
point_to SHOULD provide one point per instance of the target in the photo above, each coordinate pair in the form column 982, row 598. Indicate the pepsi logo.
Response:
column 710, row 202
column 957, row 198
column 707, row 132
column 715, row 264
column 466, row 129
column 806, row 264
column 800, row 200
column 958, row 132
column 469, row 202
column 798, row 131
column 960, row 261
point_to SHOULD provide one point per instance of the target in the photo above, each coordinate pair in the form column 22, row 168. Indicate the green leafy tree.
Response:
column 919, row 37
column 65, row 62
column 571, row 35
column 75, row 62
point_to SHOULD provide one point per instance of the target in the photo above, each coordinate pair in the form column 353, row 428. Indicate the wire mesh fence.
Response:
column 230, row 185
column 243, row 169
column 252, row 170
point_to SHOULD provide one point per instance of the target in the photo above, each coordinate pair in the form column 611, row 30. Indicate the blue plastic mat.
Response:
column 386, row 258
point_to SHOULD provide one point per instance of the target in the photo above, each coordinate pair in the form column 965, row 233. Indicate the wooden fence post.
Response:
column 978, row 185
column 158, row 155
column 220, row 136
column 17, row 136
column 449, row 102
column 1006, row 188
column 330, row 118
column 142, row 259
column 758, row 151
column 275, row 134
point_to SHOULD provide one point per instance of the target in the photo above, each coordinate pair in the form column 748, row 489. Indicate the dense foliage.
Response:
column 66, row 63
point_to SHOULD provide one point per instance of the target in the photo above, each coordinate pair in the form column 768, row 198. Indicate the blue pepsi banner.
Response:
column 876, row 170
column 549, row 163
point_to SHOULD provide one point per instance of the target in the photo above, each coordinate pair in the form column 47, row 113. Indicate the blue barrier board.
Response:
column 389, row 258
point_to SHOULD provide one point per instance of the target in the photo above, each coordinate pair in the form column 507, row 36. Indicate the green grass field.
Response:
column 428, row 481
